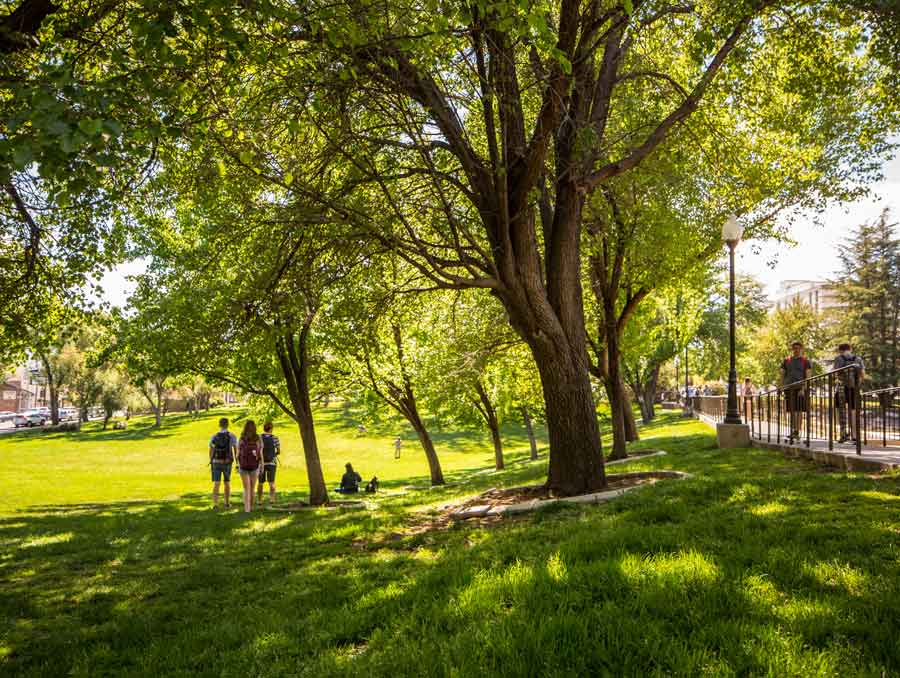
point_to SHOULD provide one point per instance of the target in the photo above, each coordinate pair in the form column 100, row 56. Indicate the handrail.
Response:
column 881, row 390
column 815, row 377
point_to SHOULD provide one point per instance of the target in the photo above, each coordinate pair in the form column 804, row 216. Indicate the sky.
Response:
column 814, row 257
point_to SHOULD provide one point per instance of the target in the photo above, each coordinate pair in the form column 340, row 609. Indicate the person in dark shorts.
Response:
column 847, row 389
column 271, row 450
column 222, row 450
column 350, row 481
column 794, row 370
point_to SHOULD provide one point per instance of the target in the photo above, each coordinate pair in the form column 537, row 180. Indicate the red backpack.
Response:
column 248, row 455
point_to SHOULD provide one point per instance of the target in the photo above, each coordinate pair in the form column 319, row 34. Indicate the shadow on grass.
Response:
column 742, row 570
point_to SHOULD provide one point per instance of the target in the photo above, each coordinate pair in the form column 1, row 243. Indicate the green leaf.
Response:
column 246, row 157
column 629, row 7
column 288, row 178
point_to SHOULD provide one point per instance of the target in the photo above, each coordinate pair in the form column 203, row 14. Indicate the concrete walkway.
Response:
column 874, row 457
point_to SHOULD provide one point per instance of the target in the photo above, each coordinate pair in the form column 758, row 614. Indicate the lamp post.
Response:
column 731, row 234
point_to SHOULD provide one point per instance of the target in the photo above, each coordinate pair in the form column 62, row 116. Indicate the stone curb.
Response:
column 844, row 462
column 483, row 510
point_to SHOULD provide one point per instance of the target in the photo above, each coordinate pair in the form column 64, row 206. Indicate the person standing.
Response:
column 271, row 448
column 397, row 445
column 794, row 370
column 847, row 391
column 222, row 450
column 747, row 393
column 249, row 461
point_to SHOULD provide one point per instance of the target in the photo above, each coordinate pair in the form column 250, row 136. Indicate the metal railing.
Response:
column 881, row 416
column 829, row 407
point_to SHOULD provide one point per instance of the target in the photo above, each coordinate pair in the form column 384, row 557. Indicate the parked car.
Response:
column 29, row 419
column 68, row 414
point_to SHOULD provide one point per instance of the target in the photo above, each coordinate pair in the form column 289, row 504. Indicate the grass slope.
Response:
column 756, row 566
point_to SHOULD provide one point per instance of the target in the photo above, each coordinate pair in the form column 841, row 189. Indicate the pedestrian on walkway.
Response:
column 747, row 392
column 846, row 397
column 794, row 370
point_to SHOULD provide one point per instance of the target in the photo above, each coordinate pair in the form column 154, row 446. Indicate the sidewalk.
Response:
column 874, row 457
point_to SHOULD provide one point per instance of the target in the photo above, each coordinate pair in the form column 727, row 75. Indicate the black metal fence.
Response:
column 829, row 407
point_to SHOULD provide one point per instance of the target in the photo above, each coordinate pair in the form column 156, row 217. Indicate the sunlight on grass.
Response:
column 556, row 568
column 494, row 591
column 671, row 569
column 745, row 492
column 770, row 508
column 261, row 525
column 881, row 496
column 833, row 574
column 46, row 541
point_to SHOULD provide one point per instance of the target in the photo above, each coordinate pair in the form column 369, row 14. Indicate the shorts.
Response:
column 845, row 395
column 221, row 471
column 795, row 400
column 248, row 472
column 267, row 474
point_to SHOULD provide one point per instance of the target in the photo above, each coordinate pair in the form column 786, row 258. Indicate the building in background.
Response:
column 818, row 294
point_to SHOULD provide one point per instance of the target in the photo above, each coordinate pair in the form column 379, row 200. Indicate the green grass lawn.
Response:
column 142, row 462
column 757, row 565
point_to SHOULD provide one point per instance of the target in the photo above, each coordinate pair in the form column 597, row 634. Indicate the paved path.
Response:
column 874, row 456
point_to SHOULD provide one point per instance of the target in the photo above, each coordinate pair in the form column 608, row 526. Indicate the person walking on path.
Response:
column 847, row 390
column 397, row 445
column 271, row 448
column 747, row 393
column 222, row 450
column 794, row 369
column 249, row 458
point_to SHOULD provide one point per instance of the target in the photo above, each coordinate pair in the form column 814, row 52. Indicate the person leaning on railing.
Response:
column 794, row 370
column 847, row 389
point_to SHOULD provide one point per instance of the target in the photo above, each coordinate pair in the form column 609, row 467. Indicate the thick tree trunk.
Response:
column 158, row 409
column 529, row 428
column 576, row 461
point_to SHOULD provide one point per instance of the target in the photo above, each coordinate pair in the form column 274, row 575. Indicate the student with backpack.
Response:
column 847, row 389
column 250, row 450
column 222, row 450
column 271, row 448
column 794, row 370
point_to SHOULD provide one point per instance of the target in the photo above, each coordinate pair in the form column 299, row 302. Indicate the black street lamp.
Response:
column 731, row 234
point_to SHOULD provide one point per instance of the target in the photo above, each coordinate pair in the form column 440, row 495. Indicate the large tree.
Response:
column 508, row 116
column 868, row 287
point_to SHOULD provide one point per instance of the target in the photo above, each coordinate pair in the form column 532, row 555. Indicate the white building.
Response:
column 818, row 294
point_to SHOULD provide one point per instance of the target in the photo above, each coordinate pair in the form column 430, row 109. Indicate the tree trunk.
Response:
column 490, row 417
column 613, row 382
column 631, row 431
column 434, row 464
column 53, row 388
column 576, row 461
column 295, row 369
column 157, row 410
column 529, row 428
column 649, row 395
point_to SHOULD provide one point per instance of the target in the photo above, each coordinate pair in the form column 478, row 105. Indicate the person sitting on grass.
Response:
column 222, row 449
column 271, row 450
column 350, row 481
column 249, row 461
